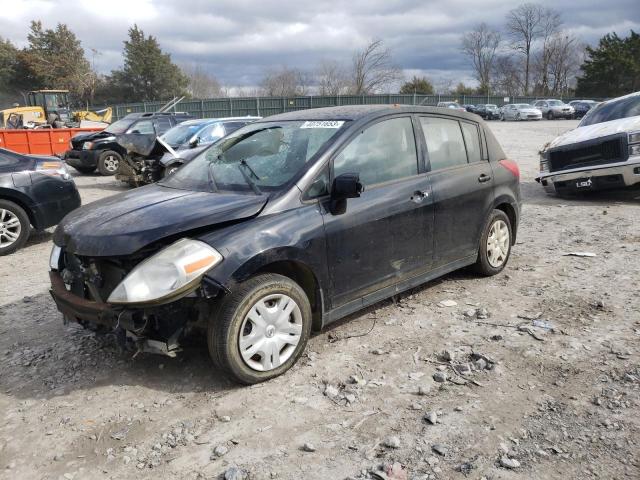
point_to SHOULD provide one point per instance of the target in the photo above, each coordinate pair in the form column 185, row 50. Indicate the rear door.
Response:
column 462, row 184
column 385, row 235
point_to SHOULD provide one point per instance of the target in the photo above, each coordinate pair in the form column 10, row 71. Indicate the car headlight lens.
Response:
column 634, row 137
column 54, row 258
column 171, row 271
column 544, row 164
column 87, row 145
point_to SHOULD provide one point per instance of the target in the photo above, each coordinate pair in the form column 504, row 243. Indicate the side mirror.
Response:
column 194, row 142
column 344, row 186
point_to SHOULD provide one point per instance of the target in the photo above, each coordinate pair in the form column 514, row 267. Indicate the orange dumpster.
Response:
column 49, row 141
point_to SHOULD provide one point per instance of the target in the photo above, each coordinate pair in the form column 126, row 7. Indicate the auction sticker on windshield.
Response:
column 323, row 124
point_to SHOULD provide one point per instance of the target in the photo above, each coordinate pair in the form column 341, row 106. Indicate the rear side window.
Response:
column 143, row 127
column 472, row 141
column 445, row 145
column 383, row 152
column 162, row 124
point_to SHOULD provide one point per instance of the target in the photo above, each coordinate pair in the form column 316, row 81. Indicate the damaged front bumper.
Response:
column 617, row 175
column 155, row 329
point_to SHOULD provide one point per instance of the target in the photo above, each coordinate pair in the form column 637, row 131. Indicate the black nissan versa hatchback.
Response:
column 286, row 225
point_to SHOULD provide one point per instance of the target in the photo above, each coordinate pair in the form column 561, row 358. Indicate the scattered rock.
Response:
column 423, row 390
column 391, row 442
column 470, row 313
column 440, row 377
column 447, row 356
column 431, row 417
column 509, row 463
column 447, row 303
column 331, row 391
column 482, row 313
column 225, row 418
column 308, row 447
column 440, row 449
column 235, row 473
column 220, row 451
column 480, row 364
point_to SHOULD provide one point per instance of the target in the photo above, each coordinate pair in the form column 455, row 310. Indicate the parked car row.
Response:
column 550, row 109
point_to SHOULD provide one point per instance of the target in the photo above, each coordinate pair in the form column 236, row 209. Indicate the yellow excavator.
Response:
column 50, row 109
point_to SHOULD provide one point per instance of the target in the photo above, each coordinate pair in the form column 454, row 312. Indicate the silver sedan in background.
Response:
column 520, row 111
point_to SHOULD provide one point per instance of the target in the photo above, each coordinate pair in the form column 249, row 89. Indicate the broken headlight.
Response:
column 544, row 163
column 170, row 272
column 634, row 144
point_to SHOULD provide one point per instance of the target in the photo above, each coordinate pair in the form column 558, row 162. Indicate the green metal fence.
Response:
column 265, row 106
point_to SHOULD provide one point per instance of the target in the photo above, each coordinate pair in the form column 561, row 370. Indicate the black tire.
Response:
column 550, row 115
column 223, row 331
column 16, row 211
column 108, row 162
column 483, row 266
column 85, row 170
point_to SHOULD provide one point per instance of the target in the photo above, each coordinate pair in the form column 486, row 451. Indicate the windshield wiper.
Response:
column 247, row 178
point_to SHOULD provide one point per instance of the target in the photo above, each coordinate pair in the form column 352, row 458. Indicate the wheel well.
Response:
column 303, row 276
column 511, row 214
column 25, row 207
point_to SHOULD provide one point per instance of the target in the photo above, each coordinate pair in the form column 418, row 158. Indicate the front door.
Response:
column 386, row 234
column 462, row 183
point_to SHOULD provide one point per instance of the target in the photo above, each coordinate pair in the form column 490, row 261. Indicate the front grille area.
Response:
column 605, row 151
column 91, row 279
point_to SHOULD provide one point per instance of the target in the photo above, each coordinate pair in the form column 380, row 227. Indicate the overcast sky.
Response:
column 238, row 39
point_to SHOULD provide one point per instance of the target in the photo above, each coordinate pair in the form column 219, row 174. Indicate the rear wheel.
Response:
column 495, row 244
column 108, row 162
column 260, row 329
column 14, row 227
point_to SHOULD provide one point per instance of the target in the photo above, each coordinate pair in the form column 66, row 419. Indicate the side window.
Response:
column 383, row 152
column 319, row 187
column 211, row 133
column 143, row 127
column 472, row 141
column 162, row 125
column 444, row 142
column 230, row 127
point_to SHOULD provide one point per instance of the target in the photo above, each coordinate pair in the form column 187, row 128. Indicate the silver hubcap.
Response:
column 111, row 163
column 270, row 332
column 10, row 228
column 498, row 244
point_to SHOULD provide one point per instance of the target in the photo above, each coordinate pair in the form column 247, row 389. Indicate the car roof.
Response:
column 133, row 116
column 205, row 121
column 361, row 112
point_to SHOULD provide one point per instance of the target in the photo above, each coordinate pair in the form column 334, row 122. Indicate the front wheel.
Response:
column 14, row 227
column 495, row 244
column 549, row 115
column 108, row 162
column 260, row 329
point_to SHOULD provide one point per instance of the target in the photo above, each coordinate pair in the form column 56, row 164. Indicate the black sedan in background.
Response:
column 582, row 107
column 289, row 224
column 34, row 190
column 488, row 111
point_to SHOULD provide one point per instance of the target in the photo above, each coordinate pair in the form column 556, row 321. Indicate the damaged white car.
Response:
column 603, row 152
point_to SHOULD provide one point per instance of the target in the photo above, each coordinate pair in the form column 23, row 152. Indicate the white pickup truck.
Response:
column 602, row 152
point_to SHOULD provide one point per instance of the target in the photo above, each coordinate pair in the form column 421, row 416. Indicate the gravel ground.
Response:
column 534, row 373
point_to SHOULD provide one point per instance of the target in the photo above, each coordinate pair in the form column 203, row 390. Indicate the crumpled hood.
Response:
column 80, row 138
column 597, row 130
column 122, row 224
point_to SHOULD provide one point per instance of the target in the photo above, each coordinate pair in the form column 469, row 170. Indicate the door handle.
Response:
column 484, row 178
column 419, row 195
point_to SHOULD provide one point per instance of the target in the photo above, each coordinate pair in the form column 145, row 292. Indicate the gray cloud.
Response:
column 238, row 39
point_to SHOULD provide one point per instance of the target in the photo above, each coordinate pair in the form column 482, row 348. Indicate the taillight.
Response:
column 511, row 166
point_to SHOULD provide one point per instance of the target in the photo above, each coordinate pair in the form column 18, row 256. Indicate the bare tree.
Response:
column 373, row 69
column 480, row 45
column 566, row 55
column 507, row 76
column 201, row 83
column 524, row 27
column 285, row 82
column 332, row 78
column 550, row 28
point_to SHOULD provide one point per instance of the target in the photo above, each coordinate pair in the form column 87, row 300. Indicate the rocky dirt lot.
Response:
column 534, row 373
